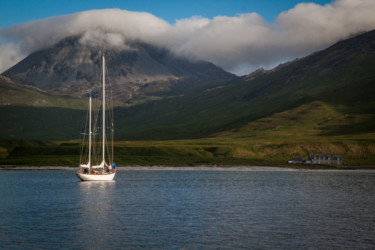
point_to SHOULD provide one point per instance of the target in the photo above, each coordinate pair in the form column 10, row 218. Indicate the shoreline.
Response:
column 199, row 168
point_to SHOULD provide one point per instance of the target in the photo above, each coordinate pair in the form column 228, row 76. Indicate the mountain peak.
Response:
column 72, row 68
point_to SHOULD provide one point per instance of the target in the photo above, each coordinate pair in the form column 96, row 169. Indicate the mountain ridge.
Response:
column 341, row 75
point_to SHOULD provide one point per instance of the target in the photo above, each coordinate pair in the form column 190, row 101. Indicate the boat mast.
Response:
column 112, row 160
column 103, row 109
column 90, row 133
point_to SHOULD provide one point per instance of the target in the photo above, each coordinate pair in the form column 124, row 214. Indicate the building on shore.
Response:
column 319, row 159
column 296, row 160
column 326, row 159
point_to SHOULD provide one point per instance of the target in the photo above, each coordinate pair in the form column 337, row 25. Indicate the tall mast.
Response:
column 113, row 137
column 103, row 109
column 90, row 133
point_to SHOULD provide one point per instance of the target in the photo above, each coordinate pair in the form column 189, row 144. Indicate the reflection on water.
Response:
column 188, row 209
column 96, row 186
column 97, row 205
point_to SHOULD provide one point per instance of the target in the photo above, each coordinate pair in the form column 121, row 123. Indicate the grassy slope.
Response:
column 40, row 123
column 306, row 130
column 267, row 141
column 12, row 94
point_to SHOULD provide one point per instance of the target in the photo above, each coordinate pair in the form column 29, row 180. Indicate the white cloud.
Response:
column 9, row 55
column 239, row 44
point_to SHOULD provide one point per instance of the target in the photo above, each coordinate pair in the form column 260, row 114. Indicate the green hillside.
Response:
column 312, row 128
column 12, row 94
column 270, row 141
column 335, row 86
column 40, row 123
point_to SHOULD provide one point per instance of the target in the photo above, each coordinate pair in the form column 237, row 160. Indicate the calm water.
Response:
column 188, row 209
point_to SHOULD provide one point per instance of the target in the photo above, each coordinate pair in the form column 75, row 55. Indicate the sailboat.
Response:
column 102, row 171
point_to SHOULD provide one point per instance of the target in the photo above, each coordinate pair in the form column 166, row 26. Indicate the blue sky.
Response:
column 20, row 11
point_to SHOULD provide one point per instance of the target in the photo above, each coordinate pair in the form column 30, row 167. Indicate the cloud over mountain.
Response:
column 239, row 44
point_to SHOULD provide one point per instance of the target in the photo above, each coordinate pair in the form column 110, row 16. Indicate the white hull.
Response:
column 96, row 177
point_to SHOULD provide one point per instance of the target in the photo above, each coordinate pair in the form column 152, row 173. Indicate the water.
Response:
column 188, row 209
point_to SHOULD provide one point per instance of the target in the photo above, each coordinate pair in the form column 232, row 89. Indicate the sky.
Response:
column 237, row 35
column 169, row 10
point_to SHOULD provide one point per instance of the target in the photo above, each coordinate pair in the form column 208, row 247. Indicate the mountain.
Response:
column 71, row 68
column 340, row 76
column 340, row 80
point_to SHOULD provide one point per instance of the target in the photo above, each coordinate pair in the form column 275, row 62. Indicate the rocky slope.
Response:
column 71, row 68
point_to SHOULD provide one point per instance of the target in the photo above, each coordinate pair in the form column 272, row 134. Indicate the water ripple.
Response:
column 188, row 209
